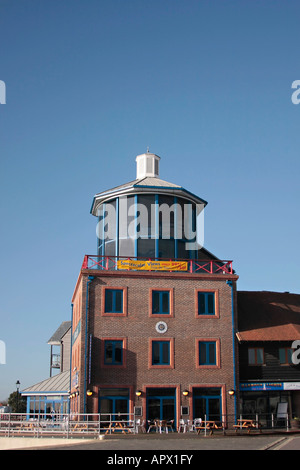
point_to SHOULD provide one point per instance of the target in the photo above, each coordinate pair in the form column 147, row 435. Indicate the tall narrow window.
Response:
column 285, row 355
column 113, row 352
column 114, row 301
column 160, row 353
column 206, row 303
column 255, row 356
column 207, row 353
column 161, row 302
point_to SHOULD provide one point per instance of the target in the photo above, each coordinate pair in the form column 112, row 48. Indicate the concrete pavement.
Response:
column 153, row 443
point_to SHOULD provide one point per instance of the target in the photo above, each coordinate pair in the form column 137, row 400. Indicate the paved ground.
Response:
column 156, row 443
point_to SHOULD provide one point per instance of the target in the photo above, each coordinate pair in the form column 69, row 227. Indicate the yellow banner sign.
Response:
column 152, row 265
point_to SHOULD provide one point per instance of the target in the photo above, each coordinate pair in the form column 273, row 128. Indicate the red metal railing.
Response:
column 110, row 263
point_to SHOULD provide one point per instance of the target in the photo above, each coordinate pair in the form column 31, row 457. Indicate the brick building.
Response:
column 269, row 340
column 154, row 313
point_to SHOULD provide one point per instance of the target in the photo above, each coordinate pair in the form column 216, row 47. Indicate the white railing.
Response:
column 70, row 425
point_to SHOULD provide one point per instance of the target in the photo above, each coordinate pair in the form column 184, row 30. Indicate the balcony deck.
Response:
column 112, row 263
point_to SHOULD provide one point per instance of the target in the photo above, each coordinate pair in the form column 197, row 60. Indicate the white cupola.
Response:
column 147, row 165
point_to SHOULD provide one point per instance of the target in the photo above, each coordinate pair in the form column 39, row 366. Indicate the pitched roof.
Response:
column 59, row 333
column 59, row 384
column 144, row 185
column 268, row 316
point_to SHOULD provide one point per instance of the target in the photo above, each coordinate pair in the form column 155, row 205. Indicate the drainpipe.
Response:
column 230, row 283
column 90, row 278
column 70, row 386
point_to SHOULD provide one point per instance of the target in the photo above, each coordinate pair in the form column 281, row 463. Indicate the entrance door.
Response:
column 114, row 404
column 161, row 404
column 207, row 403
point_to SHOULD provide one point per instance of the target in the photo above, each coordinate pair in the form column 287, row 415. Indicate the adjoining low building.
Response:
column 51, row 396
column 268, row 325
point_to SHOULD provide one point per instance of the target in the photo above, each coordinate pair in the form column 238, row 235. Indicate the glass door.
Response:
column 161, row 404
column 114, row 404
column 207, row 403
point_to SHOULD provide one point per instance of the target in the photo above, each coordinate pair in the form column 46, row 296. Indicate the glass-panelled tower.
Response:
column 148, row 217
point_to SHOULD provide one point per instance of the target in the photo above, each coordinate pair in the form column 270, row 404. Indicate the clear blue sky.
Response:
column 89, row 85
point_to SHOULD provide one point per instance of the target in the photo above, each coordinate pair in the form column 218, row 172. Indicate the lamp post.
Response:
column 18, row 387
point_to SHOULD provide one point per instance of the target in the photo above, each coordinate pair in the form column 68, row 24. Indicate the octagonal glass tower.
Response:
column 148, row 218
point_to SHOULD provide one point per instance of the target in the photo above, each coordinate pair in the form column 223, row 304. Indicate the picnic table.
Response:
column 209, row 426
column 247, row 424
column 119, row 426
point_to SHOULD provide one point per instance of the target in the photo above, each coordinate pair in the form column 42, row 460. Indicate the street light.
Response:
column 18, row 387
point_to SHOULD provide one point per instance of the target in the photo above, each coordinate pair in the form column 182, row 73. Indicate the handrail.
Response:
column 132, row 263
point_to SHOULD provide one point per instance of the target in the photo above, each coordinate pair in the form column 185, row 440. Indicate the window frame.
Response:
column 124, row 301
column 207, row 341
column 216, row 313
column 171, row 302
column 104, row 364
column 170, row 365
column 256, row 363
column 287, row 354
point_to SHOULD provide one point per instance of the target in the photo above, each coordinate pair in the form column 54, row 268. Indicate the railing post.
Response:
column 85, row 262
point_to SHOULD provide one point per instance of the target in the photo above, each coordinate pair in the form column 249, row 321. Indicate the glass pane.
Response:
column 201, row 303
column 166, row 249
column 168, row 411
column 166, row 217
column 282, row 359
column 212, row 353
column 118, row 352
column 165, row 352
column 214, row 408
column 108, row 352
column 260, row 356
column 146, row 248
column 146, row 216
column 251, row 356
column 126, row 247
column 202, row 353
column 119, row 301
column 153, row 408
column 108, row 300
column 155, row 352
column 210, row 304
column 155, row 302
column 165, row 302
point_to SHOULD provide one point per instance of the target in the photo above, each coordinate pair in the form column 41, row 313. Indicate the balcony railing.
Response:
column 110, row 263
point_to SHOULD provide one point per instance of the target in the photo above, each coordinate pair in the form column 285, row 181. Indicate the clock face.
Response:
column 161, row 327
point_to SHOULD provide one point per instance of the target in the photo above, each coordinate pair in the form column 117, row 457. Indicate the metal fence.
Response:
column 71, row 425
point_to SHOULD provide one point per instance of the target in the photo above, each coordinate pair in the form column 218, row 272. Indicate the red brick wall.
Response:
column 138, row 327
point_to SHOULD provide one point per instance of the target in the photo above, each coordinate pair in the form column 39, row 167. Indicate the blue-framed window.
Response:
column 161, row 353
column 206, row 303
column 113, row 352
column 207, row 353
column 113, row 301
column 160, row 302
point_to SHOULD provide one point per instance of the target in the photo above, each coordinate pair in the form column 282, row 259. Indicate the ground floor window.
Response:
column 47, row 407
column 263, row 403
column 114, row 404
column 161, row 404
column 207, row 403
